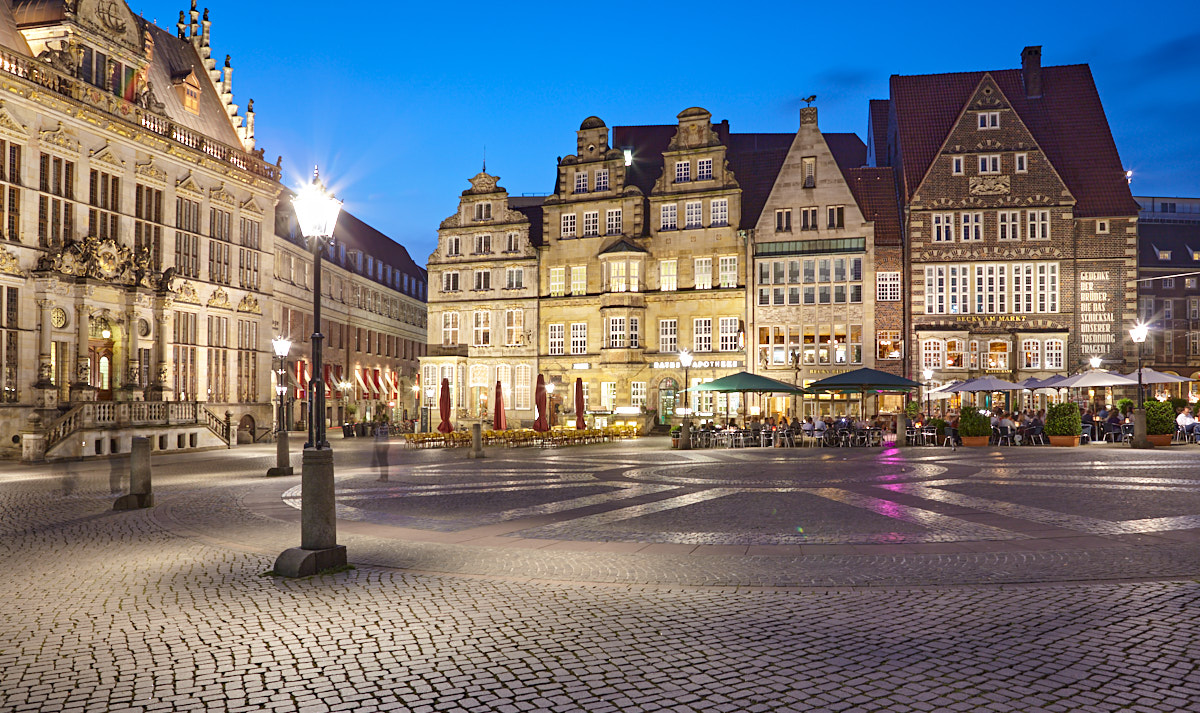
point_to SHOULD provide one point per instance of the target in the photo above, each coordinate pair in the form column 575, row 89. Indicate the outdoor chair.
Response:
column 1037, row 435
column 1003, row 433
column 1113, row 434
column 951, row 437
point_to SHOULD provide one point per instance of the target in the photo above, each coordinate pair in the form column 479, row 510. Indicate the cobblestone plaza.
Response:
column 622, row 577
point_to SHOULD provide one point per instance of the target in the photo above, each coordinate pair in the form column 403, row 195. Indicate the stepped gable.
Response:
column 1067, row 120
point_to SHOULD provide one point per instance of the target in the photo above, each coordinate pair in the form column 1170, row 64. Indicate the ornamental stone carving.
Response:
column 249, row 304
column 219, row 299
column 105, row 260
column 187, row 293
column 59, row 137
column 150, row 171
column 10, row 126
column 9, row 264
column 990, row 185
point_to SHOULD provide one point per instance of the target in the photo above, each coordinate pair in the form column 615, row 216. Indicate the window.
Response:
column 524, row 375
column 668, row 335
column 823, row 270
column 991, row 289
column 608, row 395
column 483, row 279
column 1047, row 286
column 931, row 354
column 579, row 279
column 702, row 334
column 1031, row 354
column 667, row 277
column 56, row 212
column 669, row 216
column 557, row 340
column 989, row 120
column 247, row 361
column 514, row 327
column 1024, row 291
column 8, row 344
column 729, row 334
column 956, row 166
column 248, row 257
column 147, row 227
column 567, row 225
column 581, row 181
column 703, row 272
column 954, row 353
column 783, row 220
column 808, row 219
column 453, row 246
column 947, row 289
column 997, row 355
column 809, row 166
column 635, row 332
column 683, row 171
column 219, row 262
column 972, row 226
column 704, row 169
column 616, row 332
column 1039, row 224
column 450, row 281
column 1009, row 225
column 591, row 223
column 613, row 221
column 10, row 210
column 692, row 211
column 637, row 393
column 887, row 286
column 1145, row 309
column 482, row 328
column 1168, row 283
column 514, row 278
column 217, row 381
column 483, row 211
column 602, row 179
column 1194, row 308
column 989, row 164
column 1168, row 311
column 579, row 338
column 104, row 197
column 1193, row 343
column 719, row 212
column 618, row 276
column 728, row 272
column 888, row 345
column 1163, row 254
column 449, row 328
column 943, row 227
column 187, row 238
column 513, row 244
column 1021, row 163
column 483, row 244
column 558, row 279
column 1053, row 354
column 836, row 217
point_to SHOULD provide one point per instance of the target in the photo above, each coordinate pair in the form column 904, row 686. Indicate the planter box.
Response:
column 1160, row 440
column 1064, row 441
column 975, row 441
column 675, row 442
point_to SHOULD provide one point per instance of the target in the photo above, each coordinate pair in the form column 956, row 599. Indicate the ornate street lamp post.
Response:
column 1138, row 334
column 317, row 213
column 425, row 425
column 416, row 389
column 281, row 345
column 685, row 433
column 344, row 386
column 928, row 374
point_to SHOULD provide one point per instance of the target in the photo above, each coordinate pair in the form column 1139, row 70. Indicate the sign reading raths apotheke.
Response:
column 1098, row 322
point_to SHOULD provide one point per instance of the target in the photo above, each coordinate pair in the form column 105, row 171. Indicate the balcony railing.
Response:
column 47, row 77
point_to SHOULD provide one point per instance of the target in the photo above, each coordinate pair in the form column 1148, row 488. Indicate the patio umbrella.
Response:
column 444, row 407
column 946, row 389
column 542, row 422
column 499, row 420
column 1050, row 382
column 864, row 380
column 987, row 383
column 1029, row 383
column 1150, row 376
column 579, row 423
column 1095, row 379
column 744, row 381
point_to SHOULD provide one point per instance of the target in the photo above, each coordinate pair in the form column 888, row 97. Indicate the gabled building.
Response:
column 1169, row 286
column 1020, row 229
column 819, row 270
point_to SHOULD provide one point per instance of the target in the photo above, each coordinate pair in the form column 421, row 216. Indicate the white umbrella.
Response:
column 1095, row 380
column 1150, row 376
column 946, row 389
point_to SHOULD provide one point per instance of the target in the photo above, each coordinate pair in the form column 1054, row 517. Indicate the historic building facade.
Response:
column 483, row 310
column 817, row 281
column 1021, row 231
column 1169, row 287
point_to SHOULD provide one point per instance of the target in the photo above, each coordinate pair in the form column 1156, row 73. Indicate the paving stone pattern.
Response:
column 167, row 609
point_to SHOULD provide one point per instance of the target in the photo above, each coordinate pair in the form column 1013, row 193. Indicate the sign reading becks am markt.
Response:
column 1097, row 318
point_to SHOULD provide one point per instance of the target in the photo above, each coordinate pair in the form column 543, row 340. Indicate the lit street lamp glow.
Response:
column 281, row 345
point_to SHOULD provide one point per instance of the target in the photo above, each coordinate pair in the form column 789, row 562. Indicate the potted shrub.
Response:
column 911, row 409
column 1125, row 406
column 1160, row 422
column 974, row 428
column 1063, row 425
column 939, row 426
column 675, row 436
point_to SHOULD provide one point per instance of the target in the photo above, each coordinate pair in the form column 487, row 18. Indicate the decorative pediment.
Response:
column 482, row 182
column 8, row 264
column 10, row 127
column 150, row 172
column 990, row 185
column 249, row 304
column 187, row 293
column 220, row 195
column 252, row 206
column 220, row 299
column 59, row 137
column 107, row 156
column 104, row 260
column 189, row 186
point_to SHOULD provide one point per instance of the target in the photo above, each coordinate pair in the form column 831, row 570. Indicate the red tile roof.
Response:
column 874, row 190
column 848, row 150
column 1067, row 121
column 877, row 126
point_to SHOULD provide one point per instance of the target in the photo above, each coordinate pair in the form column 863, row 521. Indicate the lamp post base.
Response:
column 299, row 562
column 282, row 458
column 318, row 548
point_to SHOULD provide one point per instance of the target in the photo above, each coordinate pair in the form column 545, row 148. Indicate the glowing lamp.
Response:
column 316, row 211
column 282, row 345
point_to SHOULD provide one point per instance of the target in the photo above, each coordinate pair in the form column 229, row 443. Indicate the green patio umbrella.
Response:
column 864, row 380
column 744, row 382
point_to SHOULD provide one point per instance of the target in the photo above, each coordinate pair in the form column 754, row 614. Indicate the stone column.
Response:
column 159, row 389
column 45, row 392
column 132, row 388
column 81, row 387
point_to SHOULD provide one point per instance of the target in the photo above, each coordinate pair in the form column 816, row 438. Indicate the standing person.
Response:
column 381, row 450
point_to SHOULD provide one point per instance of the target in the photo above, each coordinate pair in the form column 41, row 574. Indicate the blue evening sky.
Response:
column 397, row 101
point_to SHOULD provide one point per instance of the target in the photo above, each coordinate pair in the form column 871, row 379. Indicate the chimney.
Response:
column 1031, row 71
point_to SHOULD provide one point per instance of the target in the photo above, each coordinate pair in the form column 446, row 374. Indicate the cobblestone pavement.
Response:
column 543, row 580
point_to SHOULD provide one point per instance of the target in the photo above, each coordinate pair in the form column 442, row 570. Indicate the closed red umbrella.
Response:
column 499, row 421
column 579, row 424
column 542, row 423
column 444, row 407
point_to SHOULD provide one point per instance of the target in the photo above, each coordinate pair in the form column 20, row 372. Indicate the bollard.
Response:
column 283, row 464
column 901, row 430
column 476, row 442
column 140, row 493
column 685, row 435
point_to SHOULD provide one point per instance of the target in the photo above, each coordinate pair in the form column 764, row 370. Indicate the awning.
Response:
column 328, row 381
column 362, row 384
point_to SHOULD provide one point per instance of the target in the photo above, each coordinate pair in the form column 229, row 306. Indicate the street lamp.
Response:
column 928, row 374
column 425, row 425
column 281, row 346
column 1138, row 335
column 317, row 213
column 1095, row 362
column 343, row 386
column 685, row 435
column 416, row 389
column 550, row 398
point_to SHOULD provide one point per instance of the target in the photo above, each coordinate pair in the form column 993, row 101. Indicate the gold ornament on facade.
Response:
column 220, row 195
column 219, row 299
column 10, row 126
column 107, row 155
column 249, row 304
column 150, row 172
column 189, row 186
column 9, row 265
column 187, row 293
column 59, row 137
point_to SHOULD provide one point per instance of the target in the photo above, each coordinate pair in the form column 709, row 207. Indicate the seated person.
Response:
column 819, row 426
column 808, row 426
column 1186, row 422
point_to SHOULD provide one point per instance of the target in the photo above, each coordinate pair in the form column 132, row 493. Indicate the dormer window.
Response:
column 187, row 89
column 1163, row 254
column 483, row 211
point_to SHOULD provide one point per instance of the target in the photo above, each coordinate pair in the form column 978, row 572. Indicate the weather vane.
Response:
column 808, row 100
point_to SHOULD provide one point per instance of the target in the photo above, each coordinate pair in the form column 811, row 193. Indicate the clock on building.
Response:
column 58, row 317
